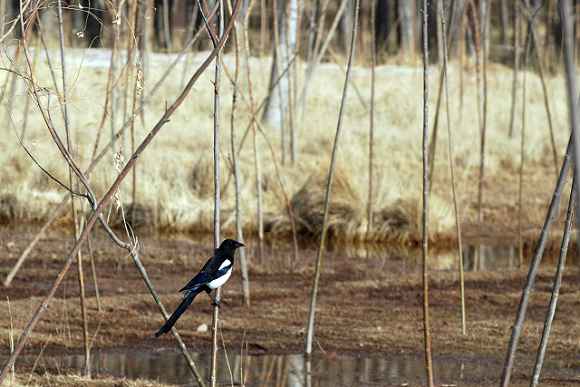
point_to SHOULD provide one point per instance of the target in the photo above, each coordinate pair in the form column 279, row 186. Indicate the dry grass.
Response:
column 76, row 380
column 174, row 175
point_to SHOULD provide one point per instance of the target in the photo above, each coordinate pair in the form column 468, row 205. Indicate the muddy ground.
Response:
column 366, row 307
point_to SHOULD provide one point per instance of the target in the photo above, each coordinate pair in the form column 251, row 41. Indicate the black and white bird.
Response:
column 216, row 271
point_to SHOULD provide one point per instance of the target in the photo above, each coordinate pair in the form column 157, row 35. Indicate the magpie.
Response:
column 216, row 271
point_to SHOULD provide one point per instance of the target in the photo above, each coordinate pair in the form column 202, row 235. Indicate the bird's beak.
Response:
column 240, row 244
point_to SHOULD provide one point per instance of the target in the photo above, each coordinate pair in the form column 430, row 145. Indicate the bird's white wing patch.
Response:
column 216, row 283
column 227, row 262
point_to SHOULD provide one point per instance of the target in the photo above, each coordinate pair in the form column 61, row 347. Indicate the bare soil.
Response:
column 366, row 306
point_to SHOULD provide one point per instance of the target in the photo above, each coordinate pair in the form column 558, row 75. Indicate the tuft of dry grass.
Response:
column 8, row 207
column 71, row 379
column 174, row 177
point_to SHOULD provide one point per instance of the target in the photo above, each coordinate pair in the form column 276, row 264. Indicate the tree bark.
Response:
column 277, row 103
column 384, row 23
column 406, row 35
column 345, row 27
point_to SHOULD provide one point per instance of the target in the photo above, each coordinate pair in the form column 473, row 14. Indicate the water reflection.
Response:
column 476, row 257
column 278, row 370
column 486, row 257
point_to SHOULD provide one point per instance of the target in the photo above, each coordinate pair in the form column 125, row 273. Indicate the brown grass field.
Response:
column 174, row 188
column 175, row 198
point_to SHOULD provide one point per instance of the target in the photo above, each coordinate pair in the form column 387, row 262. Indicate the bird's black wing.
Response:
column 208, row 272
column 178, row 312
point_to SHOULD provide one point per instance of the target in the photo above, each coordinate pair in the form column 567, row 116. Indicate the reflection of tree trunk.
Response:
column 345, row 27
column 405, row 13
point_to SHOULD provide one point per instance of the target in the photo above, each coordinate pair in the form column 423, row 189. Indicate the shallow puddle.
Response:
column 251, row 370
column 293, row 370
column 476, row 257
column 289, row 370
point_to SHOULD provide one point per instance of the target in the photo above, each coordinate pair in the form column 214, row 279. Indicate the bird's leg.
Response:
column 216, row 303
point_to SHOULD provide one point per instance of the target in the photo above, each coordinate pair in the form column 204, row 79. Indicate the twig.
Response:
column 239, row 30
column 217, row 193
column 277, row 62
column 310, row 332
column 425, row 243
column 452, row 172
column 442, row 77
column 252, row 125
column 533, row 30
column 534, row 265
column 74, row 182
column 522, row 156
column 372, row 120
column 556, row 289
column 516, row 66
column 571, row 85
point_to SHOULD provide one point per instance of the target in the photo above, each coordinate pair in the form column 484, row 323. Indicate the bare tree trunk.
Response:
column 239, row 32
column 505, row 22
column 263, row 27
column 452, row 172
column 516, row 65
column 548, row 39
column 522, row 155
column 372, row 121
column 534, row 266
column 74, row 183
column 49, row 22
column 146, row 45
column 217, row 196
column 405, row 11
column 384, row 24
column 166, row 26
column 572, row 85
column 310, row 331
column 439, row 28
column 425, row 243
column 345, row 27
column 294, row 17
column 6, row 11
column 556, row 288
column 277, row 103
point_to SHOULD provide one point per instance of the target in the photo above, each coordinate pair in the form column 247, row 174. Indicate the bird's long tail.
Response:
column 187, row 300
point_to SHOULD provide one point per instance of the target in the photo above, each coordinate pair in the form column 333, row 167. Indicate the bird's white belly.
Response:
column 216, row 283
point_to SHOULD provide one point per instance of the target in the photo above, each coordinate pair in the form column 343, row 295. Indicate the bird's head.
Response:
column 230, row 245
